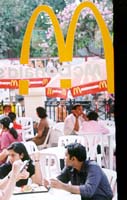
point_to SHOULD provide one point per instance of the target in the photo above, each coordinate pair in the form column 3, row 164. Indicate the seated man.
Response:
column 86, row 176
column 73, row 121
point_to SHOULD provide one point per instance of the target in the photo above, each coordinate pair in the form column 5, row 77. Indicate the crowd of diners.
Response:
column 86, row 176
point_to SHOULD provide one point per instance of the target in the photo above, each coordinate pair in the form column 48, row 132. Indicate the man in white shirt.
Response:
column 73, row 121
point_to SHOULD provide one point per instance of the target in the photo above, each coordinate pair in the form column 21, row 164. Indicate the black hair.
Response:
column 77, row 150
column 20, row 99
column 75, row 106
column 12, row 116
column 6, row 121
column 19, row 148
column 41, row 112
column 92, row 115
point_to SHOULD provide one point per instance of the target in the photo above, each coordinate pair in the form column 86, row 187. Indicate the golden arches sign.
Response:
column 65, row 50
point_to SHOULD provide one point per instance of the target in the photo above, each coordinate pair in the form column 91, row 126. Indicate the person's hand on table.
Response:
column 55, row 183
column 46, row 183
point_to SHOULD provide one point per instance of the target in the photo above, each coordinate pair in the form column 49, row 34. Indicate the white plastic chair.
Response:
column 27, row 127
column 59, row 126
column 51, row 122
column 30, row 146
column 54, row 137
column 56, row 132
column 46, row 142
column 107, row 123
column 49, row 164
column 94, row 146
column 67, row 139
column 112, row 178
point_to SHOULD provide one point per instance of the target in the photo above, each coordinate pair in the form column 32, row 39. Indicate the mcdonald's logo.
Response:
column 76, row 91
column 49, row 91
column 65, row 50
column 45, row 81
column 14, row 83
column 102, row 84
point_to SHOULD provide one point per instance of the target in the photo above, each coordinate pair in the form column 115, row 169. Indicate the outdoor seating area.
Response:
column 53, row 151
column 50, row 155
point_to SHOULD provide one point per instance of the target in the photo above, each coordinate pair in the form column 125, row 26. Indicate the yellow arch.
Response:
column 65, row 50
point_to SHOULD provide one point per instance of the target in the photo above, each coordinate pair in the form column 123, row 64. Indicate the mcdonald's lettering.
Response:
column 44, row 81
column 65, row 50
column 49, row 91
column 76, row 91
column 102, row 84
column 14, row 83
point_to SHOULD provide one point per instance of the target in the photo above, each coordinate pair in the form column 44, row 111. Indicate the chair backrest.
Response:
column 54, row 137
column 67, row 139
column 59, row 126
column 94, row 146
column 51, row 122
column 25, row 121
column 46, row 142
column 112, row 178
column 30, row 146
column 27, row 127
column 56, row 132
column 107, row 123
column 49, row 164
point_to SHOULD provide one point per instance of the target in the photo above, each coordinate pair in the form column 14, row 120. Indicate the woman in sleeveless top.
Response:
column 42, row 127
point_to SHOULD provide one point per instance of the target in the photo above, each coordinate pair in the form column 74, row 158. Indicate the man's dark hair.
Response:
column 77, row 150
column 75, row 106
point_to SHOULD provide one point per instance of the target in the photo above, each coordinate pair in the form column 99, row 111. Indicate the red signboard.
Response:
column 33, row 83
column 56, row 92
column 89, row 88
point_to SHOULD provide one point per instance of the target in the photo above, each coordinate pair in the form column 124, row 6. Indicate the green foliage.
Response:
column 87, row 35
column 56, row 5
column 15, row 14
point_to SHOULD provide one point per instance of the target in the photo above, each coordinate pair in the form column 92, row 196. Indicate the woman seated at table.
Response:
column 7, row 136
column 16, row 125
column 42, row 127
column 92, row 125
column 17, row 151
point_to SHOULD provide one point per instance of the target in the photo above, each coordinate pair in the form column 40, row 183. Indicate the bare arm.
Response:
column 8, row 183
column 76, row 125
column 40, row 129
column 37, row 177
column 3, row 154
